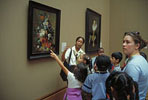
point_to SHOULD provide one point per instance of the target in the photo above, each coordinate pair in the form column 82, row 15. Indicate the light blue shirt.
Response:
column 93, row 60
column 117, row 68
column 95, row 84
column 137, row 68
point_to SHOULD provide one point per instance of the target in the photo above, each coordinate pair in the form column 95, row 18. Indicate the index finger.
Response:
column 51, row 51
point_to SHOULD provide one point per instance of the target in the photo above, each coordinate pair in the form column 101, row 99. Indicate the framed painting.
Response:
column 43, row 30
column 93, row 31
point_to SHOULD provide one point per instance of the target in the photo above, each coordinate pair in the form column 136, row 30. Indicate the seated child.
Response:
column 116, row 58
column 75, row 79
column 120, row 86
column 95, row 83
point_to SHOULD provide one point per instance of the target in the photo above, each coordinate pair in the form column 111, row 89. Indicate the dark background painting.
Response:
column 92, row 39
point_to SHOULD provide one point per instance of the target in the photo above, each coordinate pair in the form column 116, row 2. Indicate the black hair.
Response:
column 100, row 49
column 81, row 38
column 81, row 72
column 87, row 58
column 102, row 62
column 117, row 55
column 88, row 61
column 144, row 55
column 137, row 39
column 123, row 85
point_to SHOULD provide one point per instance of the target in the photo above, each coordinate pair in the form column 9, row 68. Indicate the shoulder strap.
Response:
column 70, row 56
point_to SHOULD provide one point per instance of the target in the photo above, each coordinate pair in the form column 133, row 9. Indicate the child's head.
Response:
column 116, row 57
column 121, row 86
column 80, row 72
column 86, row 59
column 100, row 51
column 102, row 63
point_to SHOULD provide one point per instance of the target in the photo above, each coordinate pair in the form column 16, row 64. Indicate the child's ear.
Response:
column 112, row 89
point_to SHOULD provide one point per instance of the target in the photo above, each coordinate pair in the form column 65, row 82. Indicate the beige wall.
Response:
column 21, row 79
column 127, row 15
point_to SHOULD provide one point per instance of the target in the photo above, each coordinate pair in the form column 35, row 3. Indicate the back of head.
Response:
column 81, row 72
column 102, row 62
column 121, row 86
column 117, row 55
column 87, row 59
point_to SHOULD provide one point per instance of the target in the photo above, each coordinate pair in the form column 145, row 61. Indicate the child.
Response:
column 87, row 62
column 75, row 79
column 95, row 83
column 100, row 52
column 116, row 58
column 120, row 86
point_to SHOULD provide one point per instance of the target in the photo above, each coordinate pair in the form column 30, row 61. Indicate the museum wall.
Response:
column 127, row 15
column 23, row 79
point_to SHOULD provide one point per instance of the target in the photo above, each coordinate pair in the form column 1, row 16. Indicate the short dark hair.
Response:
column 102, row 62
column 87, row 58
column 81, row 72
column 117, row 55
column 100, row 49
column 81, row 38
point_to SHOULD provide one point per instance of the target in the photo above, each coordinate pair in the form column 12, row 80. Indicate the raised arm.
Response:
column 53, row 55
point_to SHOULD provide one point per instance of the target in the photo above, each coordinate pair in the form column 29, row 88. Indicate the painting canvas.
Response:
column 93, row 31
column 43, row 30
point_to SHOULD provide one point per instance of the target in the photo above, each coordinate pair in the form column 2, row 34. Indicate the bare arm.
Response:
column 53, row 55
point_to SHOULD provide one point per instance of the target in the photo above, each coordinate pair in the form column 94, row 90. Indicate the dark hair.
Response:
column 117, row 55
column 144, row 55
column 88, row 61
column 123, row 84
column 81, row 38
column 102, row 62
column 81, row 72
column 100, row 49
column 137, row 39
column 87, row 58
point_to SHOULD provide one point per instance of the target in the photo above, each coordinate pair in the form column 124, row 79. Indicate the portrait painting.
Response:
column 93, row 31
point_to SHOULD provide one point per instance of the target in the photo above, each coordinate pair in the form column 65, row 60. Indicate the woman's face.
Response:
column 129, row 46
column 79, row 43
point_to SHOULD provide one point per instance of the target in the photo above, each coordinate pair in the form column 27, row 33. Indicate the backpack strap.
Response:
column 70, row 56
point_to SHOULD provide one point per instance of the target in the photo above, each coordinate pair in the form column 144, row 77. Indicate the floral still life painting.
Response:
column 43, row 31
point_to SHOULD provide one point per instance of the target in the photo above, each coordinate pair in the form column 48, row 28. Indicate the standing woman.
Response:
column 77, row 52
column 136, row 66
column 72, row 56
